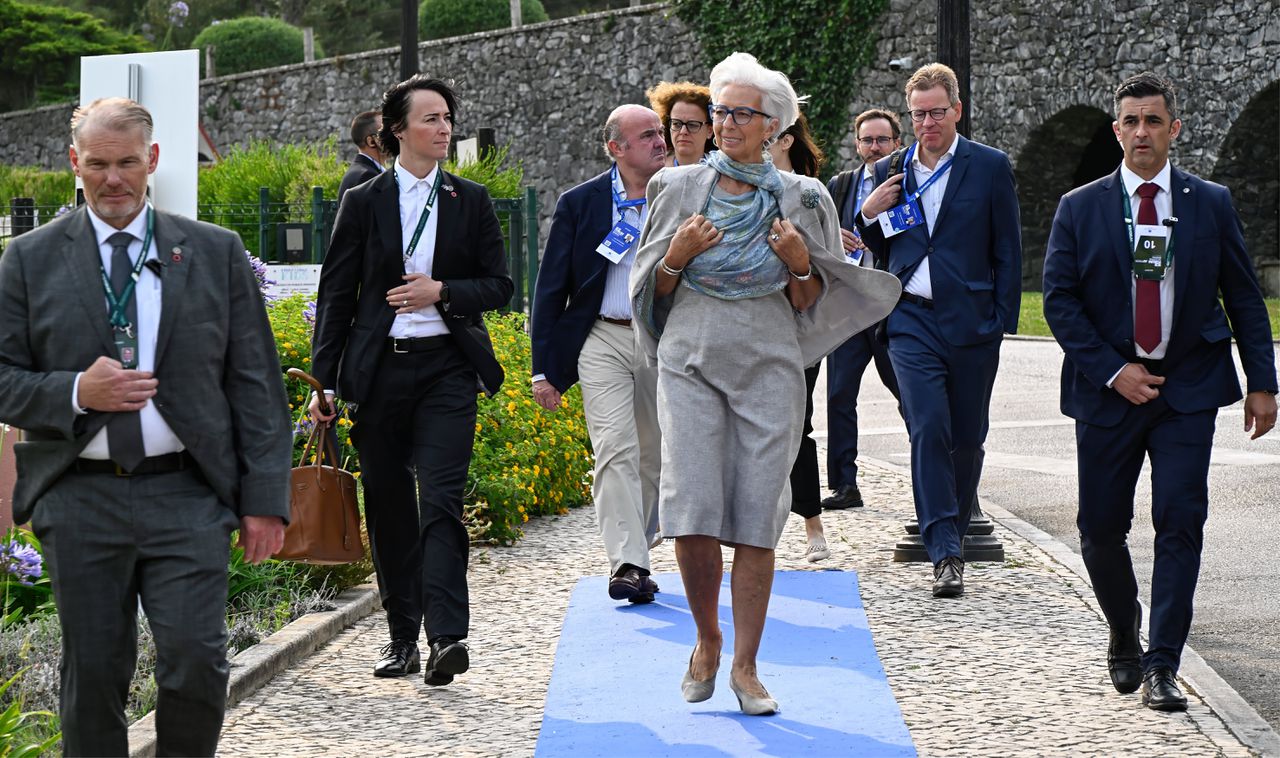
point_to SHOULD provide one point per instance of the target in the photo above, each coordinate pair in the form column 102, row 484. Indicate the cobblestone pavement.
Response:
column 1015, row 667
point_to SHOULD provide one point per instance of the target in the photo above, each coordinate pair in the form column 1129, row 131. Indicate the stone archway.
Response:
column 1072, row 148
column 1249, row 165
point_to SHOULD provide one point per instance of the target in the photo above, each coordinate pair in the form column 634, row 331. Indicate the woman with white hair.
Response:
column 740, row 282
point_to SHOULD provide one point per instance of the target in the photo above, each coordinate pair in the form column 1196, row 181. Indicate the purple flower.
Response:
column 303, row 427
column 64, row 209
column 178, row 12
column 21, row 561
column 309, row 313
column 260, row 274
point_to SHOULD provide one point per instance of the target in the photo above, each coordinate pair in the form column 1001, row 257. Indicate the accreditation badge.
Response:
column 618, row 242
column 898, row 220
column 127, row 347
column 1151, row 252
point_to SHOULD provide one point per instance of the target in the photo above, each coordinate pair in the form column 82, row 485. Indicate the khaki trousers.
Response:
column 619, row 399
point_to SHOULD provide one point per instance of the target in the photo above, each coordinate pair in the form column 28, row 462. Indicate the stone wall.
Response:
column 1043, row 73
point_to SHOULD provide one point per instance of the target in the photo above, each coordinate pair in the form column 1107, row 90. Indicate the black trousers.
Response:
column 806, row 490
column 414, row 435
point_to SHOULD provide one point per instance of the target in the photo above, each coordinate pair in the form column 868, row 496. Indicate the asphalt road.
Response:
column 1031, row 471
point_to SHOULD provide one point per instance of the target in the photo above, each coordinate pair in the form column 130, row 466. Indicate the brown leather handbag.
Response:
column 324, row 519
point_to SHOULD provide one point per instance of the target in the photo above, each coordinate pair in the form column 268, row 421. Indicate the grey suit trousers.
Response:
column 109, row 541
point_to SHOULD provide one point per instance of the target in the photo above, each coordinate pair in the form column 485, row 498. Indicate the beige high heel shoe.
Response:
column 694, row 690
column 752, row 705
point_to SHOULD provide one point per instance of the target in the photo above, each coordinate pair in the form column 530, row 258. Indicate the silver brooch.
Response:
column 809, row 198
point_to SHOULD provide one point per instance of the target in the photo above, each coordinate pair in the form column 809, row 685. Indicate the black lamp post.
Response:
column 408, row 38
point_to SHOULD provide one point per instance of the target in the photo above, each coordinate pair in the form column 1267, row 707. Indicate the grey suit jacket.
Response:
column 853, row 298
column 220, row 387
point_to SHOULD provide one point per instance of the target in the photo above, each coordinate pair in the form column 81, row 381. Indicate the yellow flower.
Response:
column 511, row 406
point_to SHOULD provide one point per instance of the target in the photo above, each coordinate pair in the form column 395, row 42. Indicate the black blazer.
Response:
column 361, row 171
column 364, row 262
column 571, row 280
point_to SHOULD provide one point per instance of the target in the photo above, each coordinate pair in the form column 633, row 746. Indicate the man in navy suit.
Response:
column 950, row 228
column 877, row 133
column 581, row 333
column 1136, row 263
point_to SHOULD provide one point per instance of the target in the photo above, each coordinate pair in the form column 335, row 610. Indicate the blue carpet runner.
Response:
column 615, row 688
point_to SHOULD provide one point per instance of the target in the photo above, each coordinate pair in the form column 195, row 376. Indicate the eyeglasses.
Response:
column 741, row 115
column 869, row 141
column 692, row 126
column 934, row 113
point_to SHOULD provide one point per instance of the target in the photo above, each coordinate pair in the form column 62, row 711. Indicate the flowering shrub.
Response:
column 525, row 462
column 27, row 591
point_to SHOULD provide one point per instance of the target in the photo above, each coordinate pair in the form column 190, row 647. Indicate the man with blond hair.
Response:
column 948, row 226
column 136, row 354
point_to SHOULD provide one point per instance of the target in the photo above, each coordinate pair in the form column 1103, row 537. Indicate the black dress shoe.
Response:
column 847, row 496
column 399, row 658
column 1124, row 657
column 627, row 584
column 948, row 577
column 1160, row 691
column 448, row 659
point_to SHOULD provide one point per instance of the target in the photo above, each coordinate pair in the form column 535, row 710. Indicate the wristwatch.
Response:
column 444, row 294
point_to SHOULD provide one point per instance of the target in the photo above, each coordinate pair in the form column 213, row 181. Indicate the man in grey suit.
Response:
column 136, row 354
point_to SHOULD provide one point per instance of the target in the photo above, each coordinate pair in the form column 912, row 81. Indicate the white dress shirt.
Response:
column 930, row 202
column 1164, row 209
column 860, row 194
column 424, row 322
column 617, row 294
column 157, row 437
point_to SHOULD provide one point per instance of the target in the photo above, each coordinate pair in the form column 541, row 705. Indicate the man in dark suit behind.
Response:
column 368, row 161
column 877, row 133
column 1148, row 364
column 961, row 269
column 153, row 430
column 581, row 333
column 415, row 261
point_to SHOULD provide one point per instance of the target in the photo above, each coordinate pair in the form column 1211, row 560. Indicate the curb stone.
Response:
column 1239, row 717
column 255, row 666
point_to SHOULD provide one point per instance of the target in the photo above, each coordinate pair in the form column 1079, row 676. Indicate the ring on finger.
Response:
column 775, row 236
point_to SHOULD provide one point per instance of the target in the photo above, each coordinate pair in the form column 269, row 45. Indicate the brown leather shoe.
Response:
column 626, row 584
column 948, row 577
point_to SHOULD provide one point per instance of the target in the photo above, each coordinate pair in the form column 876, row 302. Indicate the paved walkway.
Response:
column 1016, row 667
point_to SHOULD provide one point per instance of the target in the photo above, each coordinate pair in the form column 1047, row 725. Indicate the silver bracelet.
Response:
column 807, row 275
column 668, row 270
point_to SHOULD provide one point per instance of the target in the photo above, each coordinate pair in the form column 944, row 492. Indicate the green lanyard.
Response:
column 1131, row 226
column 118, row 303
column 422, row 218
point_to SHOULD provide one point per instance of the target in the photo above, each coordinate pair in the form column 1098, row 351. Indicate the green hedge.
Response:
column 251, row 43
column 449, row 18
column 53, row 188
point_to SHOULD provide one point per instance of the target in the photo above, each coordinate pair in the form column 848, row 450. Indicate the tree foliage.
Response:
column 41, row 47
column 449, row 18
column 251, row 43
column 820, row 44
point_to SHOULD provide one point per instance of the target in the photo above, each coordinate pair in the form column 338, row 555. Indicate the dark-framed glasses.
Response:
column 742, row 115
column 881, row 141
column 936, row 114
column 692, row 126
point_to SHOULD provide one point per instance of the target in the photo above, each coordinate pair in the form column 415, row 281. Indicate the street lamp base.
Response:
column 980, row 544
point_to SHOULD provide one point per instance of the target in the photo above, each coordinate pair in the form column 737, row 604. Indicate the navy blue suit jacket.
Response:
column 974, row 247
column 571, row 280
column 1089, row 305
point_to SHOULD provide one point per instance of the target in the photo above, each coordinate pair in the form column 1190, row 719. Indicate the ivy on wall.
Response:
column 820, row 44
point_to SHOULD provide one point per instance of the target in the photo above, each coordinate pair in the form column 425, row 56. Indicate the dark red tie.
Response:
column 1146, row 321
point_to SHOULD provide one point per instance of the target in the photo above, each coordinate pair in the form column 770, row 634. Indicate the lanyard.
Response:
column 620, row 201
column 422, row 218
column 1131, row 226
column 118, row 303
column 928, row 182
column 859, row 197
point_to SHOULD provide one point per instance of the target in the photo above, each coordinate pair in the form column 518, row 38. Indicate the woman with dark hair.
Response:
column 682, row 106
column 416, row 258
column 797, row 151
column 740, row 282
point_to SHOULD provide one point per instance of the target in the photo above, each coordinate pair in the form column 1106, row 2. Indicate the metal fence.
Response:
column 299, row 232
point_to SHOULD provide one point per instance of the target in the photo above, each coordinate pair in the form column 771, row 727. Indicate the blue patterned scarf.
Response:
column 742, row 265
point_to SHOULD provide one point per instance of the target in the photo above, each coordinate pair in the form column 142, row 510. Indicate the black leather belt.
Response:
column 923, row 302
column 156, row 464
column 417, row 344
column 618, row 321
